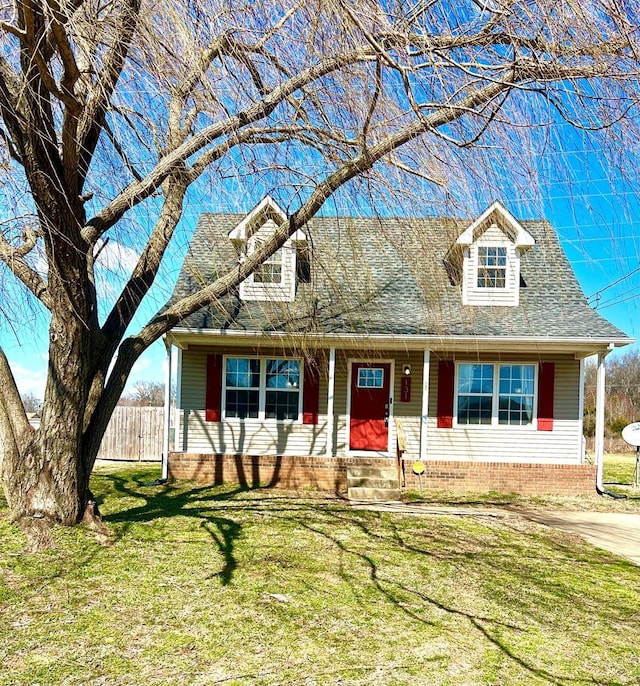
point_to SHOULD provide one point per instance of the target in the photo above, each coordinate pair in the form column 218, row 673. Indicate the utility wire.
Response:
column 618, row 300
column 598, row 293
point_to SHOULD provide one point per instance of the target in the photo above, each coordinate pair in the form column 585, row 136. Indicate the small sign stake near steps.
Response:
column 418, row 468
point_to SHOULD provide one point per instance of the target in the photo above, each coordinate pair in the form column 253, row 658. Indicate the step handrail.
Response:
column 401, row 447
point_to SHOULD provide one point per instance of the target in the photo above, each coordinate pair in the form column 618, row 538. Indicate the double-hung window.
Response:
column 492, row 267
column 475, row 393
column 262, row 388
column 494, row 393
column 270, row 271
column 516, row 395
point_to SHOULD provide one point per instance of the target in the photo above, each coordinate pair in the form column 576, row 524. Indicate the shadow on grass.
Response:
column 169, row 502
column 370, row 538
column 397, row 592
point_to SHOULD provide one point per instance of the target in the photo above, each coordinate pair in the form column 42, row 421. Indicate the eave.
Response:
column 578, row 347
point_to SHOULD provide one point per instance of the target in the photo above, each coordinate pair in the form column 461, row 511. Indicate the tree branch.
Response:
column 11, row 402
column 14, row 259
column 93, row 115
column 137, row 192
column 170, row 317
column 146, row 269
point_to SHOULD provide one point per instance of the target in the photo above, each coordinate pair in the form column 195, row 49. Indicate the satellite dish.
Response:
column 631, row 434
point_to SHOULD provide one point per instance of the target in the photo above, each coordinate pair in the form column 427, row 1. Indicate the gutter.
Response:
column 405, row 341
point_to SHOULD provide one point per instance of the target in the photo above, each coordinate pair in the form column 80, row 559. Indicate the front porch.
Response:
column 329, row 474
column 314, row 448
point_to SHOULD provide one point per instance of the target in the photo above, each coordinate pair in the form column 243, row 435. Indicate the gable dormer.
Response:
column 492, row 246
column 275, row 278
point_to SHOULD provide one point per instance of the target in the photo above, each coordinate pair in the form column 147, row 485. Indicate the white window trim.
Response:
column 277, row 258
column 262, row 390
column 370, row 369
column 495, row 395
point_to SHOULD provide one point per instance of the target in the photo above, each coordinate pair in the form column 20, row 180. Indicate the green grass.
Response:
column 619, row 469
column 218, row 586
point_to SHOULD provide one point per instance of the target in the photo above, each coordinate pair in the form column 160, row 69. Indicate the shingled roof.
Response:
column 395, row 277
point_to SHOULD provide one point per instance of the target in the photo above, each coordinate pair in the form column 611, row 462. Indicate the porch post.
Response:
column 176, row 423
column 425, row 404
column 330, row 393
column 600, row 401
column 167, row 412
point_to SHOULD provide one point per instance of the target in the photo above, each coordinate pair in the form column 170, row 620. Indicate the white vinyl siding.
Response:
column 285, row 290
column 409, row 413
column 483, row 444
column 473, row 294
column 502, row 443
column 255, row 437
column 237, row 436
column 340, row 403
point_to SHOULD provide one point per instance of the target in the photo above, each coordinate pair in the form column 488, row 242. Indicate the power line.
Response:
column 597, row 294
column 619, row 302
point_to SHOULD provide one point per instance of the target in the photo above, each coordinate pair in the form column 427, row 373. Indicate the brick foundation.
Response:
column 506, row 477
column 330, row 473
column 285, row 471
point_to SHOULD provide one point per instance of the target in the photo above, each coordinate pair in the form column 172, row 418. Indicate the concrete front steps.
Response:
column 377, row 484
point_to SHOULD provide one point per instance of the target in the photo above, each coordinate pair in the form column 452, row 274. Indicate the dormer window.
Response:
column 492, row 267
column 276, row 278
column 270, row 271
column 491, row 247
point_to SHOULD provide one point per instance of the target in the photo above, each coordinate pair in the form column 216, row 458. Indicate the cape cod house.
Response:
column 367, row 344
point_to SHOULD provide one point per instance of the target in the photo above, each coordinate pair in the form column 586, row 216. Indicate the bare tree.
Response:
column 112, row 113
column 31, row 402
column 145, row 393
column 622, row 395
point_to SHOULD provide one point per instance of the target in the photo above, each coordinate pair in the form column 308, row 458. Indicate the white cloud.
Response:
column 116, row 257
column 30, row 379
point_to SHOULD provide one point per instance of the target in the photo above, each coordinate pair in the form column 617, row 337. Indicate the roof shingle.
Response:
column 395, row 277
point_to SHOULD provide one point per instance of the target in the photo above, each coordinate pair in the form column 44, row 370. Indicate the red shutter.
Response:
column 446, row 372
column 311, row 392
column 213, row 411
column 546, row 382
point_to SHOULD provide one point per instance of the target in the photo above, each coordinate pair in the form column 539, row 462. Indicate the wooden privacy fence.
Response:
column 134, row 433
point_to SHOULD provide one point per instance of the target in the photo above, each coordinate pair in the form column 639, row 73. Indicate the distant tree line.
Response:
column 622, row 395
column 144, row 394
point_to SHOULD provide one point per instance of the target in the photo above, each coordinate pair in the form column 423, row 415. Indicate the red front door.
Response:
column 368, row 428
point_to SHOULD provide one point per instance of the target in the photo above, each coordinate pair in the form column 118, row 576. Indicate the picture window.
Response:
column 495, row 394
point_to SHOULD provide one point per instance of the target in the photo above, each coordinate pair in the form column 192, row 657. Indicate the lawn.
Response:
column 619, row 469
column 209, row 586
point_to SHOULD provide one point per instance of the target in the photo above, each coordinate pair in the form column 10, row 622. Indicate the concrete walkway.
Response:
column 616, row 532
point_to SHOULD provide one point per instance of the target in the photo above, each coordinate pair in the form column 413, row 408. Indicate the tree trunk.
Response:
column 45, row 472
